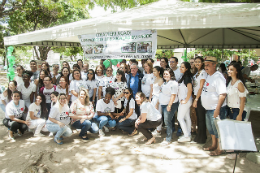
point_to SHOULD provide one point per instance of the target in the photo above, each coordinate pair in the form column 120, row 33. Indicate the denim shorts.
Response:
column 210, row 120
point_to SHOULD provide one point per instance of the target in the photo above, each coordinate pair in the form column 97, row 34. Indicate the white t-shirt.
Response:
column 167, row 89
column 213, row 87
column 84, row 75
column 98, row 78
column 76, row 85
column 12, row 110
column 56, row 76
column 70, row 77
column 47, row 93
column 146, row 82
column 183, row 89
column 92, row 84
column 196, row 81
column 106, row 82
column 26, row 92
column 19, row 80
column 60, row 115
column 36, row 111
column 131, row 106
column 152, row 113
column 105, row 108
column 61, row 90
column 177, row 74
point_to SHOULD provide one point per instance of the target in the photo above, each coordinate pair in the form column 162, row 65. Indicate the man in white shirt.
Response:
column 175, row 69
column 213, row 100
column 246, row 72
column 84, row 73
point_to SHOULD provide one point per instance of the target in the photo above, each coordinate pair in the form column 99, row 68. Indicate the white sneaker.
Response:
column 156, row 133
column 231, row 156
column 165, row 142
column 101, row 133
column 184, row 139
column 106, row 129
column 39, row 135
column 51, row 134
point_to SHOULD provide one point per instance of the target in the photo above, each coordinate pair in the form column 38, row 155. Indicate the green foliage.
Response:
column 69, row 51
column 22, row 55
column 160, row 53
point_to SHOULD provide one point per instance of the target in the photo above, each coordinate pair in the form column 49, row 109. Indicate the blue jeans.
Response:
column 169, row 119
column 210, row 120
column 61, row 131
column 233, row 113
column 87, row 125
column 105, row 121
column 2, row 107
column 128, row 125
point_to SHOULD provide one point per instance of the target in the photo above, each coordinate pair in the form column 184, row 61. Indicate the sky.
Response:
column 99, row 11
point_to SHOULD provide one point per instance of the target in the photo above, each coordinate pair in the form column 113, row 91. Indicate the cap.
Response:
column 210, row 58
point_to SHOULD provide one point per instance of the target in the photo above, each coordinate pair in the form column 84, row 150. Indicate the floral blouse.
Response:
column 78, row 109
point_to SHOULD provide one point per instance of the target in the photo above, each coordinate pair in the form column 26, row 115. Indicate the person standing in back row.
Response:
column 213, row 100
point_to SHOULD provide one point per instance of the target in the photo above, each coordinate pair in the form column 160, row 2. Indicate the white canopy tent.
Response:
column 178, row 25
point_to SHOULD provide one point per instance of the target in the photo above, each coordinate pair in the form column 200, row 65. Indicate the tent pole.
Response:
column 222, row 54
column 7, row 63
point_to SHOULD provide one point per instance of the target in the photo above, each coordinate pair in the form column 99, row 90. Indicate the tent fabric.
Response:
column 178, row 25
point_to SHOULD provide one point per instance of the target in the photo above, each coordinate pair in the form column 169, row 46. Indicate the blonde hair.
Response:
column 87, row 96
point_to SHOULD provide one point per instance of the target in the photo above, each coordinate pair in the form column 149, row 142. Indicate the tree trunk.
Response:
column 44, row 50
column 35, row 50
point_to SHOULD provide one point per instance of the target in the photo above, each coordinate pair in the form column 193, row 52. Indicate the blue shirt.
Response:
column 134, row 83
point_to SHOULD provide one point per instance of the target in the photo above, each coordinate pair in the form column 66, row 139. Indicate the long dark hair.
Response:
column 160, row 70
column 236, row 65
column 93, row 78
column 67, row 64
column 128, row 101
column 187, row 72
column 166, row 60
column 44, row 113
column 223, row 67
column 171, row 74
column 56, row 94
column 48, row 67
column 41, row 80
column 9, row 92
column 123, row 79
column 202, row 66
column 61, row 74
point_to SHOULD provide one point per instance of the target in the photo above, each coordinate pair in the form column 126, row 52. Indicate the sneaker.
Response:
column 11, row 135
column 165, row 142
column 156, row 133
column 19, row 133
column 106, row 129
column 184, row 139
column 101, row 133
column 231, row 156
column 51, row 134
column 39, row 135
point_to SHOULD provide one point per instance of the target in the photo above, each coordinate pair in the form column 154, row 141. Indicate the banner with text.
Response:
column 139, row 44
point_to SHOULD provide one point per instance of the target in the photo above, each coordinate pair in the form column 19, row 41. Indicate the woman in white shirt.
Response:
column 98, row 76
column 147, row 81
column 19, row 77
column 59, row 120
column 149, row 118
column 92, row 86
column 105, row 82
column 198, row 81
column 169, row 102
column 83, row 112
column 128, row 116
column 65, row 71
column 184, row 94
column 27, row 89
column 119, row 84
column 236, row 92
column 14, row 116
column 63, row 87
column 36, row 114
column 76, row 84
column 105, row 112
column 6, row 97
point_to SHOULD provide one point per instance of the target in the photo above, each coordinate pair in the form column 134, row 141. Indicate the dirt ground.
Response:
column 116, row 153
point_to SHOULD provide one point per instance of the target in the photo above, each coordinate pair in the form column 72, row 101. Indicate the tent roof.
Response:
column 178, row 25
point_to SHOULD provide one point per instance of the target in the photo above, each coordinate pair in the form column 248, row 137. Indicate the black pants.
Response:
column 14, row 126
column 144, row 127
column 201, row 136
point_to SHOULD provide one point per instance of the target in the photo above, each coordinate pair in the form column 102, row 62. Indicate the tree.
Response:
column 160, row 53
column 8, row 7
column 70, row 52
column 35, row 15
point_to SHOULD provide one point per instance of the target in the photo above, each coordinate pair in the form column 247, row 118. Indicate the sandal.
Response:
column 56, row 140
column 84, row 137
column 209, row 149
column 150, row 141
column 145, row 139
column 216, row 153
column 133, row 133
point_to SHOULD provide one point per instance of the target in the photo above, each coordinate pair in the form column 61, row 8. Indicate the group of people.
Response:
column 135, row 99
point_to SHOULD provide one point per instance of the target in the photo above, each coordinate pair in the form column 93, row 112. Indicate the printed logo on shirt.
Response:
column 22, row 109
column 205, row 89
column 38, row 114
column 64, row 116
column 107, row 110
column 143, row 81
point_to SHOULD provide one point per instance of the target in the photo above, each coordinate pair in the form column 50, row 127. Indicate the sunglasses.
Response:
column 126, row 92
